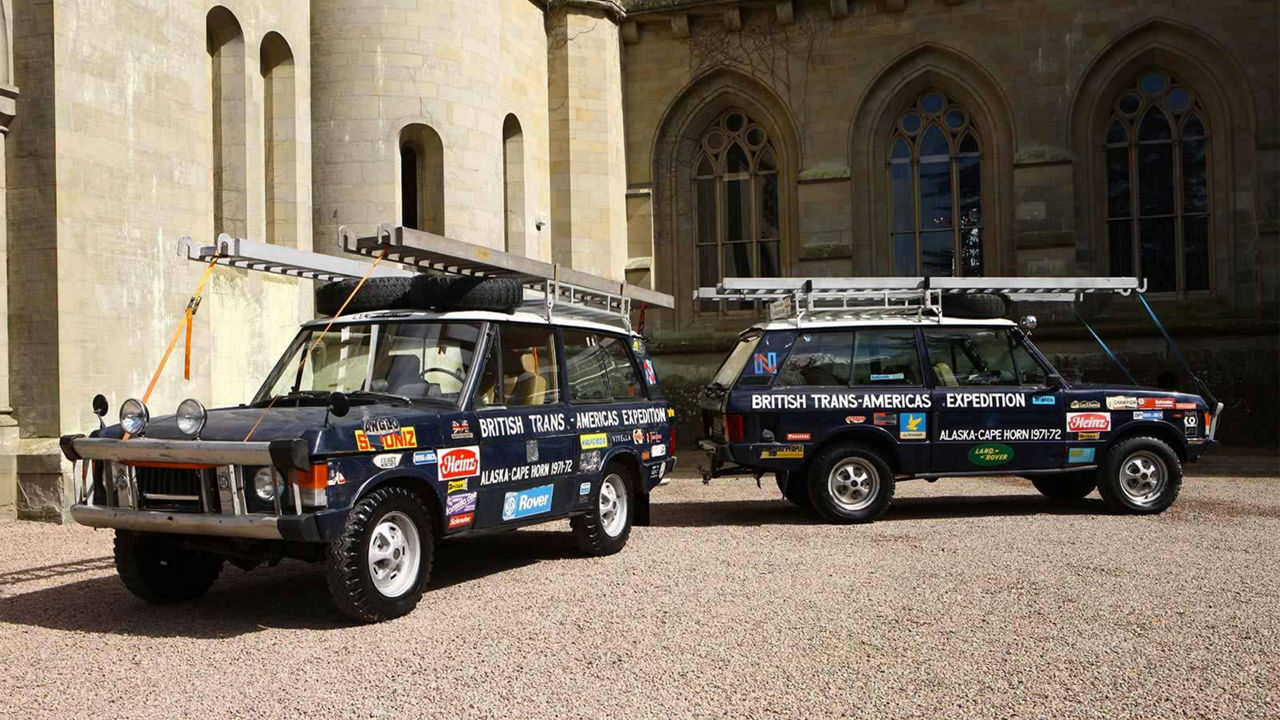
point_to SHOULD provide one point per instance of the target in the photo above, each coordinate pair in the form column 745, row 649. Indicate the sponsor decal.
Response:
column 531, row 451
column 1192, row 425
column 650, row 376
column 655, row 472
column 886, row 377
column 637, row 436
column 842, row 401
column 655, row 437
column 913, row 426
column 629, row 417
column 799, row 437
column 460, row 503
column 999, row 434
column 595, row 441
column 457, row 486
column 387, row 461
column 1185, row 406
column 589, row 462
column 335, row 476
column 990, row 455
column 855, row 419
column 1085, row 405
column 522, row 504
column 1088, row 436
column 1148, row 414
column 1155, row 403
column 535, row 471
column 985, row 400
column 459, row 462
column 380, row 426
column 1044, row 400
column 671, row 413
column 1088, row 422
column 584, row 488
column 1080, row 455
column 424, row 457
column 462, row 520
column 644, row 455
column 362, row 442
column 405, row 439
column 621, row 438
column 501, row 426
column 1122, row 402
column 782, row 453
column 765, row 363
column 658, row 451
column 636, row 345
column 885, row 419
column 460, row 430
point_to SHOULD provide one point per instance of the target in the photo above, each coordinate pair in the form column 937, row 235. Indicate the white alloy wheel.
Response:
column 395, row 551
column 1142, row 477
column 613, row 505
column 853, row 483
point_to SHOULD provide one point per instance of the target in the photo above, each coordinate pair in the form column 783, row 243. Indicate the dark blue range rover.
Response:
column 377, row 436
column 841, row 409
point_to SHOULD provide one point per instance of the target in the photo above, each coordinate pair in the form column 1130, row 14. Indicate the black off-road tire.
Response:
column 156, row 568
column 1065, row 486
column 866, row 460
column 347, row 558
column 589, row 528
column 977, row 306
column 420, row 292
column 1111, row 485
column 794, row 487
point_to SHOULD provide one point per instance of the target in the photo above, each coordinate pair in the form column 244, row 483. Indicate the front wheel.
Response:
column 158, row 569
column 1065, row 486
column 850, row 484
column 605, row 527
column 378, row 568
column 1141, row 475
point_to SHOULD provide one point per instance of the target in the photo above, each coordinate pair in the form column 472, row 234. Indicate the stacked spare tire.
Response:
column 420, row 292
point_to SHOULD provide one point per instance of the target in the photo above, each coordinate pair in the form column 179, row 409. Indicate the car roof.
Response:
column 519, row 316
column 850, row 322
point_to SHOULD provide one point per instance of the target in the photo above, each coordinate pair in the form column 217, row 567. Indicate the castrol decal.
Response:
column 459, row 462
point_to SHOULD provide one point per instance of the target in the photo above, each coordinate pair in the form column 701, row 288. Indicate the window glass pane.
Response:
column 1154, row 126
column 706, row 202
column 624, row 381
column 970, row 357
column 708, row 266
column 885, row 357
column 767, row 161
column 768, row 205
column 1178, row 100
column 1116, row 133
column 737, row 260
column 1193, row 128
column 904, row 211
column 934, row 144
column 937, row 253
column 1155, row 179
column 734, row 122
column 737, row 203
column 736, row 160
column 424, row 359
column 956, row 118
column 968, row 145
column 769, row 266
column 1118, row 201
column 1120, row 236
column 900, row 150
column 970, row 180
column 489, row 390
column 705, row 168
column 739, row 359
column 911, row 123
column 758, row 370
column 935, row 195
column 932, row 103
column 904, row 254
column 971, row 252
column 818, row 359
column 1195, row 246
column 1158, row 254
column 588, row 366
column 1153, row 84
column 1195, row 182
column 529, row 373
column 1030, row 372
column 1129, row 103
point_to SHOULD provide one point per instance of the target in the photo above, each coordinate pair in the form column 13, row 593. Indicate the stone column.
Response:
column 8, row 425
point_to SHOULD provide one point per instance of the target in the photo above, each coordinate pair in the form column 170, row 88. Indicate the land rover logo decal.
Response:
column 990, row 454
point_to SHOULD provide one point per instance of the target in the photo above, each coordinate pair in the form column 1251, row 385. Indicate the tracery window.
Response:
column 735, row 183
column 1157, row 153
column 935, row 188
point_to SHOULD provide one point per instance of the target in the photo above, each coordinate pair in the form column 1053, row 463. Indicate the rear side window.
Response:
column 600, row 368
column 766, row 359
column 736, row 362
column 886, row 357
column 819, row 359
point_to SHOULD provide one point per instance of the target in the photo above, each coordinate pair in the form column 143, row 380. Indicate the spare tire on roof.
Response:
column 420, row 292
column 975, row 306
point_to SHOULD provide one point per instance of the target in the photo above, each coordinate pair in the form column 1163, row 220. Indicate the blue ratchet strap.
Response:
column 1076, row 309
column 1200, row 384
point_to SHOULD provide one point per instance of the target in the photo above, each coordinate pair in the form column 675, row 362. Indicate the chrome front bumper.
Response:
column 262, row 527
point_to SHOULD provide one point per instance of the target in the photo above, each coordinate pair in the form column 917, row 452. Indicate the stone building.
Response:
column 670, row 142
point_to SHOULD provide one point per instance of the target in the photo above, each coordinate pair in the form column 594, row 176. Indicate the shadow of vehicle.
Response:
column 292, row 595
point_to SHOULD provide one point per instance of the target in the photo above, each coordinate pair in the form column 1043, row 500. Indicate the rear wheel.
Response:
column 793, row 487
column 850, row 484
column 378, row 568
column 1065, row 486
column 1141, row 475
column 604, row 529
column 158, row 569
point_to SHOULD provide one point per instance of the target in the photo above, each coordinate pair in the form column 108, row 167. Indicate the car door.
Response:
column 994, row 406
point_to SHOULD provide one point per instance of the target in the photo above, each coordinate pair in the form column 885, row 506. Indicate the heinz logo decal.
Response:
column 1089, row 422
column 459, row 462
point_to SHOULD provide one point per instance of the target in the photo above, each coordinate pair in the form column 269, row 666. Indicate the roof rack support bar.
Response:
column 1123, row 368
column 1200, row 384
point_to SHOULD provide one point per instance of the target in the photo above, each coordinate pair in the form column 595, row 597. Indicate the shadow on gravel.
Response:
column 292, row 595
column 781, row 512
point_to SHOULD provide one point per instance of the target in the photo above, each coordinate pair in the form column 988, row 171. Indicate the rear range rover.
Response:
column 856, row 384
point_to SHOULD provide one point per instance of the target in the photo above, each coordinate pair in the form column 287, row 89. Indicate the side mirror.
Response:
column 100, row 405
column 1055, row 380
column 1027, row 324
column 339, row 405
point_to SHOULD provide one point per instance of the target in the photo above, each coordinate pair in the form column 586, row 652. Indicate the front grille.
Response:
column 162, row 488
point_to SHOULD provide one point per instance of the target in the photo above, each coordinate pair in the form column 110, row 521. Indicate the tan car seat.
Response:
column 946, row 378
column 529, row 386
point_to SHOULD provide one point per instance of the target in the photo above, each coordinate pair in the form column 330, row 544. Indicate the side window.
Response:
column 489, row 390
column 588, row 366
column 818, row 359
column 521, row 370
column 624, row 383
column 971, row 357
column 886, row 357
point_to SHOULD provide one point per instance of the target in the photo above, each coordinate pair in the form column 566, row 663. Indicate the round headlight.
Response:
column 264, row 485
column 134, row 416
column 191, row 416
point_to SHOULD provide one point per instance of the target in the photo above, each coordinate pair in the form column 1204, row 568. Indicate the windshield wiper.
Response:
column 380, row 396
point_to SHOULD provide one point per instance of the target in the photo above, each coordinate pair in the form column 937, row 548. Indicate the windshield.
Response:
column 737, row 360
column 417, row 360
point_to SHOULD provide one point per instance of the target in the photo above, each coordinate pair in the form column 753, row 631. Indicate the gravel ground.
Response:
column 972, row 598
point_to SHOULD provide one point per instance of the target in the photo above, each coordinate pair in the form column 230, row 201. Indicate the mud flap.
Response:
column 640, row 514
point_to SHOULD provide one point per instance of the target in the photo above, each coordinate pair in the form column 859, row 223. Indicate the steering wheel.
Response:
column 451, row 373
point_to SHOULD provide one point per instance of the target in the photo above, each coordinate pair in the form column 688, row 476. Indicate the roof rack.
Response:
column 280, row 260
column 549, row 287
column 873, row 297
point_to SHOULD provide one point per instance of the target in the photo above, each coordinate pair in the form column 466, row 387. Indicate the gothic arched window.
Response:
column 735, row 183
column 935, row 188
column 1158, row 185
